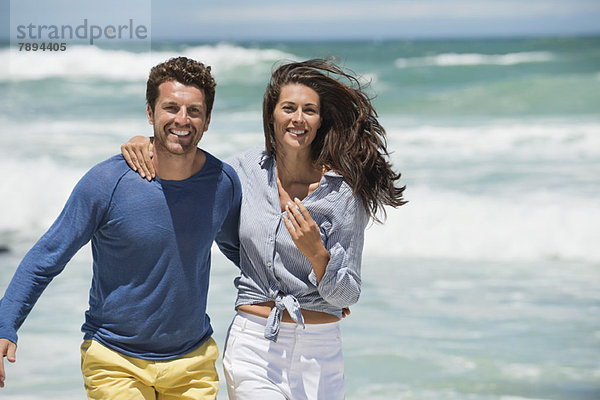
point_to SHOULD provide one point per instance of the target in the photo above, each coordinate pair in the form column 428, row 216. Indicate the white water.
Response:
column 483, row 287
column 79, row 62
column 474, row 59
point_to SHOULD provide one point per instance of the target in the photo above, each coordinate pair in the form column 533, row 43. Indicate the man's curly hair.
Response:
column 183, row 70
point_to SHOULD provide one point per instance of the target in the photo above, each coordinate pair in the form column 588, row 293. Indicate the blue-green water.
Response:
column 486, row 285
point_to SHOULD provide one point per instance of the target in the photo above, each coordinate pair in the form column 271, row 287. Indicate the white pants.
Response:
column 303, row 364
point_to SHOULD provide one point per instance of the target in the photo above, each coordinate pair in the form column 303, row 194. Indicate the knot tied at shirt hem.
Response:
column 282, row 302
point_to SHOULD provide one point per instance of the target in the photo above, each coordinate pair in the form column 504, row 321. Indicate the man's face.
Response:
column 179, row 117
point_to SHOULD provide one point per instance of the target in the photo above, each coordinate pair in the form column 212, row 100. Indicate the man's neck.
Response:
column 177, row 167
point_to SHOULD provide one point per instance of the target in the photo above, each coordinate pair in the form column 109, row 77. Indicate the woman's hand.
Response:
column 306, row 236
column 138, row 153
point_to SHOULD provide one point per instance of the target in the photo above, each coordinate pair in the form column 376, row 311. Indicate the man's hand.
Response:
column 7, row 349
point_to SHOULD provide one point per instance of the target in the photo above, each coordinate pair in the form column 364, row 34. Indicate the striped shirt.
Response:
column 272, row 267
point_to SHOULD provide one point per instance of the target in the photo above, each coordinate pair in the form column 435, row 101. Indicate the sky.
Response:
column 275, row 20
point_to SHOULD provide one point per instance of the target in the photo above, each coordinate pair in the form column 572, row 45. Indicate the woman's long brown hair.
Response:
column 350, row 140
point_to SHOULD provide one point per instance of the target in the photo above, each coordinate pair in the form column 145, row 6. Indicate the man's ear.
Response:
column 149, row 113
column 207, row 122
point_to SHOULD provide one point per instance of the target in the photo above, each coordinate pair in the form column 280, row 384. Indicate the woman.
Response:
column 307, row 199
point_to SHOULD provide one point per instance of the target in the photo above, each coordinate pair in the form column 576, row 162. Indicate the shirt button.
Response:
column 269, row 264
column 270, row 238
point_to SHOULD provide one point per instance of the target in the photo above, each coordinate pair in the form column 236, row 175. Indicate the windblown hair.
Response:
column 350, row 140
column 183, row 70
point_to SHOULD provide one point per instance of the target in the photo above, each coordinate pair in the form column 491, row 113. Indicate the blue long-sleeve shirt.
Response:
column 272, row 267
column 151, row 244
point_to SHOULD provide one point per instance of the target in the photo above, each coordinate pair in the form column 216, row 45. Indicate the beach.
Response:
column 484, row 286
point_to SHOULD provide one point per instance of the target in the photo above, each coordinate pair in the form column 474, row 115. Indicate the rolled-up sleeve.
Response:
column 341, row 283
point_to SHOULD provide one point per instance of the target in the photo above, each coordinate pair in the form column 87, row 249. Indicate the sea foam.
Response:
column 442, row 224
column 93, row 62
column 474, row 59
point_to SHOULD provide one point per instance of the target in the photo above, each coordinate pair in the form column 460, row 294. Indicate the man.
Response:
column 146, row 332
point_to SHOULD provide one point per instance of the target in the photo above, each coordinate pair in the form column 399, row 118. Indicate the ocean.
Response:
column 485, row 286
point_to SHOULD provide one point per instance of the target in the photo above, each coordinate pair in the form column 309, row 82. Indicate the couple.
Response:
column 296, row 234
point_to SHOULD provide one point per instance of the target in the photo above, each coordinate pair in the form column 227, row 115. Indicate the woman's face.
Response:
column 296, row 117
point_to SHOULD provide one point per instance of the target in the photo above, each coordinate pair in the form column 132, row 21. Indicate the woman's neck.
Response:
column 297, row 177
column 297, row 168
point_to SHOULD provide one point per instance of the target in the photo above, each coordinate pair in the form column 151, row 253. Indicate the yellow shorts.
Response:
column 108, row 374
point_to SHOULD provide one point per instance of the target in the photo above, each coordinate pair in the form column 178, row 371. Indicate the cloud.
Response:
column 312, row 11
column 376, row 19
column 320, row 19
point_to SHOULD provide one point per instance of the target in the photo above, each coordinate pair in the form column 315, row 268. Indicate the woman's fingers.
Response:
column 289, row 226
column 144, row 169
column 292, row 216
column 303, row 209
column 299, row 212
column 301, row 221
column 306, row 235
column 138, row 152
column 129, row 157
column 148, row 165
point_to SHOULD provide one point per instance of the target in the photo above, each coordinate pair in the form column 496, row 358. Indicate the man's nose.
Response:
column 182, row 116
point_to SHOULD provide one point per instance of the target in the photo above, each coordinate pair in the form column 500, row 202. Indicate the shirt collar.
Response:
column 265, row 159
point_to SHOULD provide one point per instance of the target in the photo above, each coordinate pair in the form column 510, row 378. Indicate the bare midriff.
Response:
column 310, row 317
